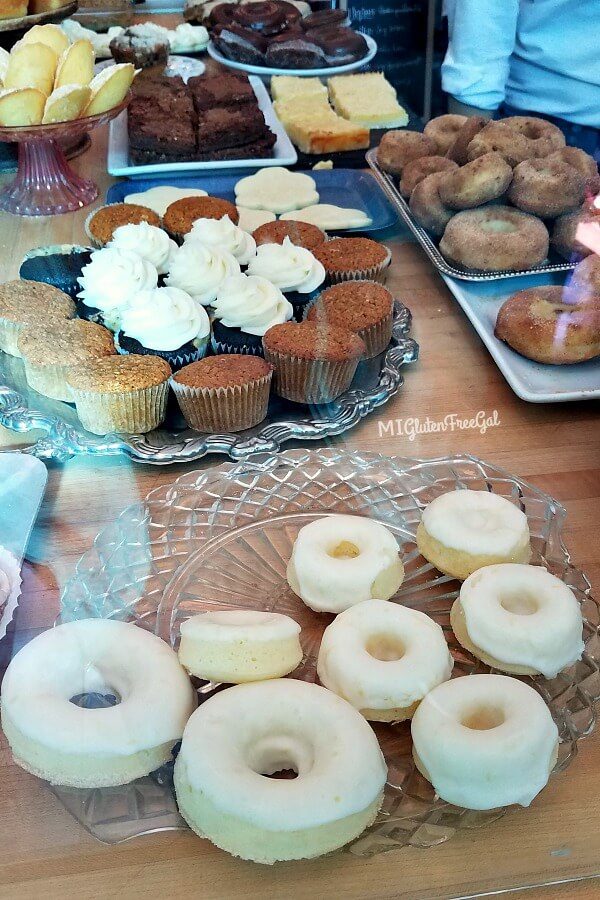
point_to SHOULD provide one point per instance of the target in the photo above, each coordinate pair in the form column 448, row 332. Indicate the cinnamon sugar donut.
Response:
column 494, row 239
column 538, row 323
column 564, row 233
column 495, row 136
column 584, row 163
column 427, row 207
column 399, row 147
column 480, row 181
column 543, row 136
column 443, row 131
column 418, row 169
column 458, row 150
column 546, row 188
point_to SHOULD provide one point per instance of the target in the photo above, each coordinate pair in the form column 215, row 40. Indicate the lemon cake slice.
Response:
column 314, row 127
column 367, row 99
column 284, row 87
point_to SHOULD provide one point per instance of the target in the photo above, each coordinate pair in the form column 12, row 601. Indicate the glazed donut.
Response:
column 543, row 136
column 66, row 744
column 237, row 645
column 484, row 741
column 458, row 150
column 546, row 189
column 427, row 207
column 464, row 530
column 443, row 131
column 476, row 183
column 541, row 324
column 519, row 619
column 499, row 138
column 247, row 732
column 495, row 239
column 563, row 237
column 398, row 148
column 338, row 561
column 418, row 169
column 383, row 658
column 584, row 163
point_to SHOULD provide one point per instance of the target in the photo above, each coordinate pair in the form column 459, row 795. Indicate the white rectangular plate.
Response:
column 284, row 153
column 532, row 381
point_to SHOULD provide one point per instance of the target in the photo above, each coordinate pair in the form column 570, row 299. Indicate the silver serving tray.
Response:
column 390, row 188
column 24, row 410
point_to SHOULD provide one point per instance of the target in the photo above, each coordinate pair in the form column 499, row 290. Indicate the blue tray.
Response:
column 344, row 187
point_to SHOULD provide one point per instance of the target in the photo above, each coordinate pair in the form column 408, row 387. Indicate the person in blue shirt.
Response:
column 527, row 57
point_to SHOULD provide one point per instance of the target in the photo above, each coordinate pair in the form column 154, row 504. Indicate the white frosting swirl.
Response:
column 112, row 277
column 200, row 271
column 147, row 241
column 287, row 266
column 164, row 319
column 252, row 304
column 188, row 37
column 222, row 234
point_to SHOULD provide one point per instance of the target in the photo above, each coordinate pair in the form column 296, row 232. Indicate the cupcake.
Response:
column 294, row 270
column 121, row 393
column 313, row 363
column 50, row 352
column 364, row 307
column 151, row 243
column 165, row 322
column 200, row 271
column 222, row 235
column 353, row 259
column 224, row 393
column 245, row 308
column 181, row 215
column 25, row 303
column 302, row 234
column 59, row 265
column 102, row 223
column 108, row 283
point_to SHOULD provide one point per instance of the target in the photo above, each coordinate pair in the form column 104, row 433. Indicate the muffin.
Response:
column 59, row 265
column 108, row 282
column 302, row 234
column 25, row 303
column 224, row 393
column 49, row 353
column 143, row 45
column 244, row 310
column 102, row 223
column 313, row 363
column 364, row 307
column 294, row 270
column 120, row 393
column 181, row 215
column 354, row 259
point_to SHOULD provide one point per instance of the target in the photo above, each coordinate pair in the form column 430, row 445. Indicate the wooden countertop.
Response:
column 43, row 852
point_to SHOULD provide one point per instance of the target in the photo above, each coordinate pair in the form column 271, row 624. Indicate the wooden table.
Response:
column 43, row 852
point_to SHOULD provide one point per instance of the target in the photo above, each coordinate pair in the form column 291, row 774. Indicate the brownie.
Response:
column 220, row 90
column 260, row 149
column 174, row 136
column 230, row 127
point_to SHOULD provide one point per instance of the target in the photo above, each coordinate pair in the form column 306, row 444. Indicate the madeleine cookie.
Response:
column 109, row 88
column 75, row 65
column 31, row 66
column 66, row 103
column 51, row 35
column 21, row 107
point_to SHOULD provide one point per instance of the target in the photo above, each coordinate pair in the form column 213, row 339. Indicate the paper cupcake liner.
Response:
column 310, row 380
column 224, row 347
column 374, row 273
column 51, row 381
column 224, row 409
column 10, row 565
column 131, row 412
column 176, row 359
column 94, row 241
column 376, row 337
column 9, row 336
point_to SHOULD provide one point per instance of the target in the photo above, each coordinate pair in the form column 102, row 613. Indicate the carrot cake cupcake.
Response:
column 181, row 215
column 302, row 234
column 102, row 223
column 313, row 363
column 355, row 258
column 224, row 393
column 25, row 303
column 121, row 393
column 364, row 307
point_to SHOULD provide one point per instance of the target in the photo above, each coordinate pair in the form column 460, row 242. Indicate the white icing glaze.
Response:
column 251, row 219
column 200, row 271
column 546, row 640
column 276, row 189
column 252, row 304
column 484, row 769
column 478, row 522
column 165, row 318
column 330, row 217
column 347, row 667
column 225, row 625
column 188, row 37
column 223, row 235
column 148, row 241
column 160, row 198
column 251, row 730
column 287, row 266
column 112, row 277
column 97, row 655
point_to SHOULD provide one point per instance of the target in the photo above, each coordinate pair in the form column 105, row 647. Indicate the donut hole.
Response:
column 385, row 647
column 344, row 550
column 483, row 718
column 520, row 604
column 96, row 699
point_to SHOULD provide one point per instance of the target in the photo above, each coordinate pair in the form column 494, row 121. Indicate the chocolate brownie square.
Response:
column 163, row 133
column 229, row 126
column 220, row 90
column 262, row 148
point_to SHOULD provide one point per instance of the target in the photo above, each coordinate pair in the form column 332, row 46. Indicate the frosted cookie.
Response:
column 330, row 217
column 251, row 219
column 276, row 189
column 159, row 198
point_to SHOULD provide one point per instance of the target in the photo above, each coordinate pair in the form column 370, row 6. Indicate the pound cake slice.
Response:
column 367, row 99
column 284, row 87
column 314, row 127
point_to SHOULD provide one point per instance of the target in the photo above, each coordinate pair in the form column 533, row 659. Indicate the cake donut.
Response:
column 443, row 131
column 543, row 136
column 499, row 138
column 418, row 169
column 237, row 645
column 240, row 736
column 485, row 741
column 338, row 561
column 519, row 619
column 66, row 744
column 585, row 164
column 458, row 149
column 427, row 206
column 546, row 188
column 464, row 530
column 563, row 237
column 383, row 658
column 477, row 182
column 398, row 148
column 497, row 238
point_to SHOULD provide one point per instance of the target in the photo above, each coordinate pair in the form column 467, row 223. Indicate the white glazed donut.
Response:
column 383, row 658
column 250, row 731
column 338, row 561
column 237, row 645
column 463, row 530
column 520, row 619
column 485, row 741
column 66, row 744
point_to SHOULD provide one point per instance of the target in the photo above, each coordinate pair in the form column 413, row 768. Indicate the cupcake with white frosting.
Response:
column 200, row 271
column 244, row 310
column 223, row 235
column 109, row 281
column 164, row 322
column 294, row 270
column 151, row 243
